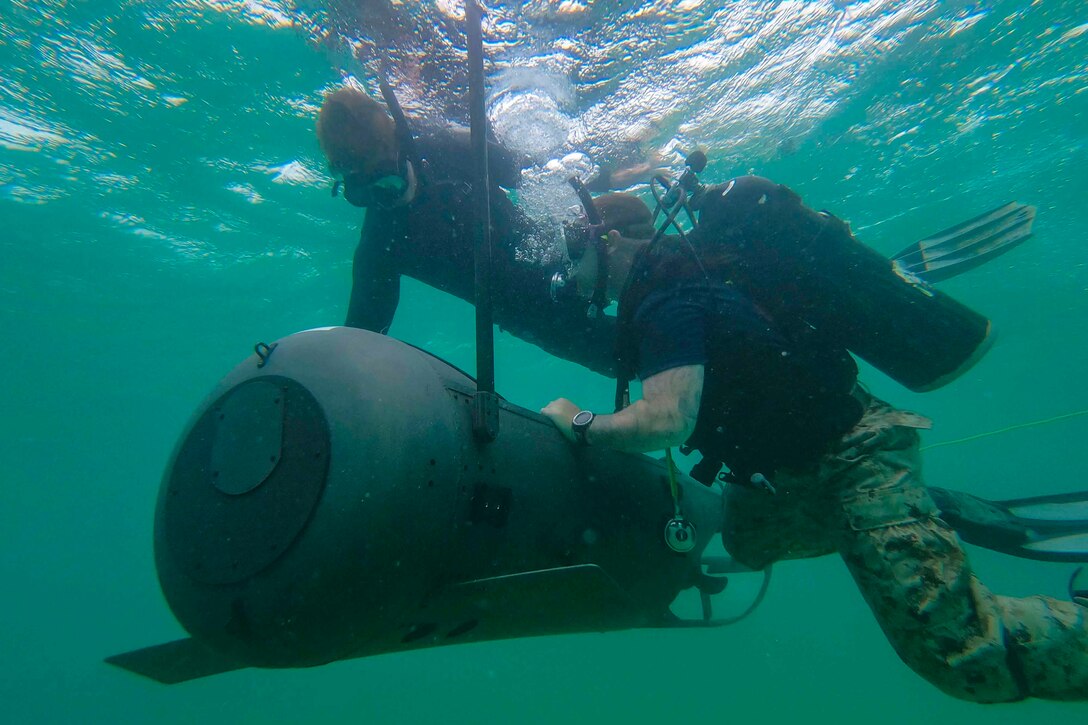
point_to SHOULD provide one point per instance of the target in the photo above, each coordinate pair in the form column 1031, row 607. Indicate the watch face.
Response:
column 582, row 417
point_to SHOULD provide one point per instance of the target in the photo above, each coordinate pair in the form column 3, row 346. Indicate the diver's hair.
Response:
column 626, row 213
column 355, row 132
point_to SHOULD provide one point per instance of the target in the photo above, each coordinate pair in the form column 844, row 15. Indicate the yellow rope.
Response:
column 673, row 486
column 1018, row 426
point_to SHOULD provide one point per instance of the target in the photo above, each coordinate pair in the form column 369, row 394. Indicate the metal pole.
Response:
column 485, row 419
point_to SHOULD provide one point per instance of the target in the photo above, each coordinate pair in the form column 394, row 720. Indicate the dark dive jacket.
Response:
column 431, row 240
column 775, row 395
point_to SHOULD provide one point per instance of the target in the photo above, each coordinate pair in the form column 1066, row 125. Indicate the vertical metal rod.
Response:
column 485, row 417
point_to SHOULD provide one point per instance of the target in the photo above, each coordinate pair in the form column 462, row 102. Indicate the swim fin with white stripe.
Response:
column 1045, row 528
column 967, row 245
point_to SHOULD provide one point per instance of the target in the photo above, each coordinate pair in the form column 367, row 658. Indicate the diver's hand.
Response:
column 638, row 172
column 561, row 412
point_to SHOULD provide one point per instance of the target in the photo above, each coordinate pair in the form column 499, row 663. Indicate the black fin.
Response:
column 1045, row 528
column 1078, row 586
column 968, row 244
column 173, row 662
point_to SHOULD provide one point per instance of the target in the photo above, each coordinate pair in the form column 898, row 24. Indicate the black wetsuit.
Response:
column 775, row 393
column 431, row 240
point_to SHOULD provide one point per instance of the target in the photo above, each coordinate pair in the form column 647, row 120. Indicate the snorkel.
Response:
column 409, row 156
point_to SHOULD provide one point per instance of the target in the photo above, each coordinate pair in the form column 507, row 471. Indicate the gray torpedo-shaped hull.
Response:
column 328, row 501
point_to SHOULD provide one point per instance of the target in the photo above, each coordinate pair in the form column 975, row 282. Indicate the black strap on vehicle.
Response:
column 485, row 412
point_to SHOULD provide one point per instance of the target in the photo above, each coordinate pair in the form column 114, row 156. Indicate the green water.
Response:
column 146, row 244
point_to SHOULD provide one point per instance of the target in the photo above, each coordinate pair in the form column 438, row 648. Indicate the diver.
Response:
column 417, row 193
column 816, row 464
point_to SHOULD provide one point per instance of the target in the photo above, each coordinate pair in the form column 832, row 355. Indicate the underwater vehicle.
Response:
column 328, row 500
column 341, row 494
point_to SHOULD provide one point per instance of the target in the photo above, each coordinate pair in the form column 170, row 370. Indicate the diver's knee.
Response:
column 1047, row 641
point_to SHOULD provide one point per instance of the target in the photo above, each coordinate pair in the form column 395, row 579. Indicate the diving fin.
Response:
column 1045, row 528
column 967, row 245
column 1078, row 586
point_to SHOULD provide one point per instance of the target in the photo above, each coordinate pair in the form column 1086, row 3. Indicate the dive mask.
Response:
column 380, row 189
column 577, row 236
column 580, row 236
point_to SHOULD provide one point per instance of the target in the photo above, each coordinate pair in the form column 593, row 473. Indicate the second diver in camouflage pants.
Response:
column 732, row 366
column 866, row 501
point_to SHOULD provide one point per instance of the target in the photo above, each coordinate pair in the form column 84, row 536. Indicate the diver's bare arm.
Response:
column 664, row 417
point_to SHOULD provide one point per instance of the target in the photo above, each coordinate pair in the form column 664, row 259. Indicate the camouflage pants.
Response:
column 867, row 502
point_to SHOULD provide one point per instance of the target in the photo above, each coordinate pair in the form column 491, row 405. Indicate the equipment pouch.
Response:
column 878, row 509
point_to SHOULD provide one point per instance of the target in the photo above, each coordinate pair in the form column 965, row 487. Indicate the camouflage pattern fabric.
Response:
column 866, row 501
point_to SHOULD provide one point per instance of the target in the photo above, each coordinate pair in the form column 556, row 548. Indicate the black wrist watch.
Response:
column 580, row 426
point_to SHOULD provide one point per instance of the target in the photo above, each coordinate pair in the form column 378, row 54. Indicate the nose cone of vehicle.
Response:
column 309, row 481
column 245, row 481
